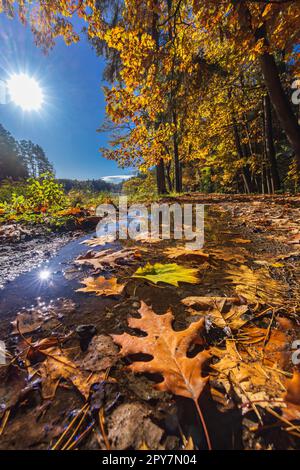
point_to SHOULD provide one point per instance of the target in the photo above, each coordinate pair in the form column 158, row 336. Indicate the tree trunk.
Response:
column 281, row 104
column 269, row 143
column 278, row 97
column 160, row 168
column 160, row 178
column 177, row 169
column 169, row 180
column 245, row 171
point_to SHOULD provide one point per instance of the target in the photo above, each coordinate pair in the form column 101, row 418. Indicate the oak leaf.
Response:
column 100, row 241
column 183, row 254
column 223, row 311
column 109, row 258
column 145, row 238
column 167, row 273
column 181, row 375
column 102, row 287
column 57, row 366
column 292, row 398
column 243, row 371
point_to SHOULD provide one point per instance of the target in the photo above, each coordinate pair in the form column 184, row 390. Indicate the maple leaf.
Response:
column 182, row 375
column 102, row 287
column 167, row 273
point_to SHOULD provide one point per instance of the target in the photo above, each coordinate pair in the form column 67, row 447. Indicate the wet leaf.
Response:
column 145, row 238
column 292, row 397
column 254, row 285
column 223, row 311
column 240, row 241
column 102, row 287
column 100, row 241
column 30, row 320
column 168, row 348
column 58, row 366
column 27, row 322
column 243, row 371
column 167, row 273
column 109, row 259
column 182, row 254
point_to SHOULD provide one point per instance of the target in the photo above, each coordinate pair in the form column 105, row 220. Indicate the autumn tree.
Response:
column 192, row 84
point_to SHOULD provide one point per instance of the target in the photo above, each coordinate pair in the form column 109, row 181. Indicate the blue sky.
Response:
column 71, row 78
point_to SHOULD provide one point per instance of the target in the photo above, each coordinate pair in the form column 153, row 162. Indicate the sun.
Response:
column 25, row 92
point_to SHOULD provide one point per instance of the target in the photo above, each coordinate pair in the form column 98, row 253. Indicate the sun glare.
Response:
column 45, row 275
column 25, row 92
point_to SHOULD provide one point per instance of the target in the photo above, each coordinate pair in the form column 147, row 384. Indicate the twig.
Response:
column 102, row 428
column 4, row 421
column 81, row 437
column 69, row 427
column 75, row 430
column 285, row 421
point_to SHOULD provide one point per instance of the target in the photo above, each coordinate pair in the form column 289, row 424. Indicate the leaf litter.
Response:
column 228, row 334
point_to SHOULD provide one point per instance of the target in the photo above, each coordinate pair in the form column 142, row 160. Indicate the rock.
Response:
column 102, row 354
column 86, row 333
column 130, row 426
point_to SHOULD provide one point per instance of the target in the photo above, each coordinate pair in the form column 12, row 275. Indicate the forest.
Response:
column 20, row 160
column 120, row 338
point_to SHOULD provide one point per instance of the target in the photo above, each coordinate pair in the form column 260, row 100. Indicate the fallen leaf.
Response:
column 30, row 320
column 57, row 366
column 229, row 256
column 27, row 322
column 100, row 241
column 254, row 285
column 243, row 371
column 183, row 254
column 223, row 311
column 145, row 238
column 109, row 258
column 292, row 398
column 102, row 287
column 295, row 240
column 182, row 375
column 240, row 241
column 167, row 273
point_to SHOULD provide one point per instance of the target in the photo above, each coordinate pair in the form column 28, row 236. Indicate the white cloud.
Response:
column 116, row 179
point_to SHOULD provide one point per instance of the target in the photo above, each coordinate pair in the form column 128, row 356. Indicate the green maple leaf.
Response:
column 167, row 273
